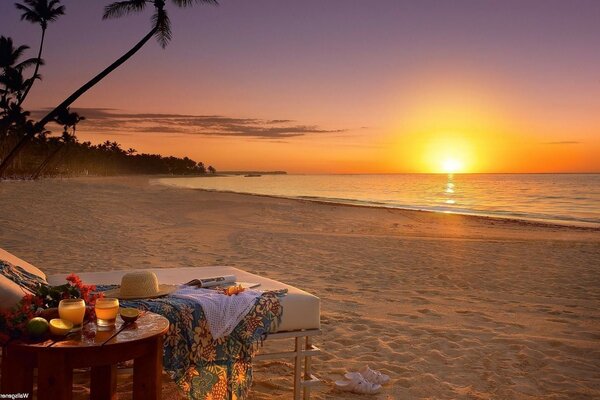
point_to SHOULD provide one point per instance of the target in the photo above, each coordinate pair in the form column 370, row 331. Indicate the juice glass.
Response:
column 106, row 312
column 72, row 310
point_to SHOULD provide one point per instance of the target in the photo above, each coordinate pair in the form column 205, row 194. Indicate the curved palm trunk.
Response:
column 30, row 134
column 35, row 72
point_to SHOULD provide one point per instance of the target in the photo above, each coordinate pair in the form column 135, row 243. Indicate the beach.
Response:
column 450, row 306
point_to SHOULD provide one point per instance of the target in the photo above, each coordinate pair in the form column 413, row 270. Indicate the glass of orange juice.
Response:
column 72, row 310
column 106, row 312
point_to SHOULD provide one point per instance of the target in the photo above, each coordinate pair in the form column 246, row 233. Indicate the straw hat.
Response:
column 140, row 285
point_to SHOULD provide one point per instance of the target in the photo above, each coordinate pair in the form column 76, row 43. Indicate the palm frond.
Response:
column 161, row 21
column 41, row 11
column 28, row 13
column 23, row 8
column 53, row 3
column 30, row 62
column 19, row 51
column 121, row 8
column 33, row 78
column 9, row 55
column 55, row 13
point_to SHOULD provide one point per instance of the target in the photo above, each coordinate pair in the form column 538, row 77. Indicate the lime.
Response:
column 37, row 326
column 129, row 314
column 60, row 327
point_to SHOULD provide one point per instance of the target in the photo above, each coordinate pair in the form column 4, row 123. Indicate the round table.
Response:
column 140, row 341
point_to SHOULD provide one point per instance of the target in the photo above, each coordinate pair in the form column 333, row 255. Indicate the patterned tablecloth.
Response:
column 205, row 368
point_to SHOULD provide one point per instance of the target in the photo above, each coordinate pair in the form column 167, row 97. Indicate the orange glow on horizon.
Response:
column 466, row 126
column 435, row 128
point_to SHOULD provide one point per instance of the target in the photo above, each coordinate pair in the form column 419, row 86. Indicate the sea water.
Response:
column 560, row 198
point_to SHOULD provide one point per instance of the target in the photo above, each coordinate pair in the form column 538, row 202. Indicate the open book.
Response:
column 219, row 282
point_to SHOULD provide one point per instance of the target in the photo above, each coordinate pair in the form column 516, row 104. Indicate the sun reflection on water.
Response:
column 449, row 190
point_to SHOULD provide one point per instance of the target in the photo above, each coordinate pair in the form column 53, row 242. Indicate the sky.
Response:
column 337, row 86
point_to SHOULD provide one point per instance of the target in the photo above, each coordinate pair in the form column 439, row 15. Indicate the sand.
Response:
column 451, row 307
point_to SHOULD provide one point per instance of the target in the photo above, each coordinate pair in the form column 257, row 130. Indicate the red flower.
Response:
column 74, row 280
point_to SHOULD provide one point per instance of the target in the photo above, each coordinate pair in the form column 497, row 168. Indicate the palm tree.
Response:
column 12, row 117
column 39, row 12
column 13, row 120
column 11, row 68
column 161, row 29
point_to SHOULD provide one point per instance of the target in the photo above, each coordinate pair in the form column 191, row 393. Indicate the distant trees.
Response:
column 66, row 156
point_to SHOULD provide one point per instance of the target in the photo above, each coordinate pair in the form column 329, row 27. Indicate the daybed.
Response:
column 300, row 320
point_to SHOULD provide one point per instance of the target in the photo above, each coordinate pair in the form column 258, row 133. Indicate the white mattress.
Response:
column 301, row 310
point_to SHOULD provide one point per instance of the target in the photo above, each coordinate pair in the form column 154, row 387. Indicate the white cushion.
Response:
column 5, row 255
column 10, row 292
column 301, row 310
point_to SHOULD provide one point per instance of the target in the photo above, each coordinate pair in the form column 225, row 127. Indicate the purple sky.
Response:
column 351, row 66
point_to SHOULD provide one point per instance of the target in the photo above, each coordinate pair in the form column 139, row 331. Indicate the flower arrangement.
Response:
column 43, row 302
column 73, row 289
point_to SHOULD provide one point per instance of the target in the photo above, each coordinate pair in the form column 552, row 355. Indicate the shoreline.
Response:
column 533, row 221
column 579, row 225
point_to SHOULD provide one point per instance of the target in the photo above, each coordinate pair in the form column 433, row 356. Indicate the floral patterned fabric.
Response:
column 21, row 277
column 205, row 368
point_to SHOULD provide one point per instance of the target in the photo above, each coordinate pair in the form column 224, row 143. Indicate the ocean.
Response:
column 572, row 199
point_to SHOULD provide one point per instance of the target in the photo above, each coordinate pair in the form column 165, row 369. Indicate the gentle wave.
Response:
column 557, row 198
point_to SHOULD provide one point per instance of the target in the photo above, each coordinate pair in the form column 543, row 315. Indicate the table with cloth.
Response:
column 207, row 368
column 203, row 367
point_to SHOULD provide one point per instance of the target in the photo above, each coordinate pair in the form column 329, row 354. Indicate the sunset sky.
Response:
column 339, row 86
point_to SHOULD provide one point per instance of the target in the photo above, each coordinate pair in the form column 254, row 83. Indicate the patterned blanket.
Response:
column 205, row 368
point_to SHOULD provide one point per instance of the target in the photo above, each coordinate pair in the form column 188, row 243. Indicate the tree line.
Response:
column 64, row 156
column 28, row 148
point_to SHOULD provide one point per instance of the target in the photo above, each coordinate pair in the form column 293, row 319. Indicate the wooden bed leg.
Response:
column 302, row 354
column 307, row 368
column 297, row 369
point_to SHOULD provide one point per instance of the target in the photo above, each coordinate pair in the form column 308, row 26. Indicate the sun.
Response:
column 451, row 165
column 448, row 153
column 438, row 153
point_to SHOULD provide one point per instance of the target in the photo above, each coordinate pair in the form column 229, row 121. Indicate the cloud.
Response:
column 563, row 142
column 108, row 120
